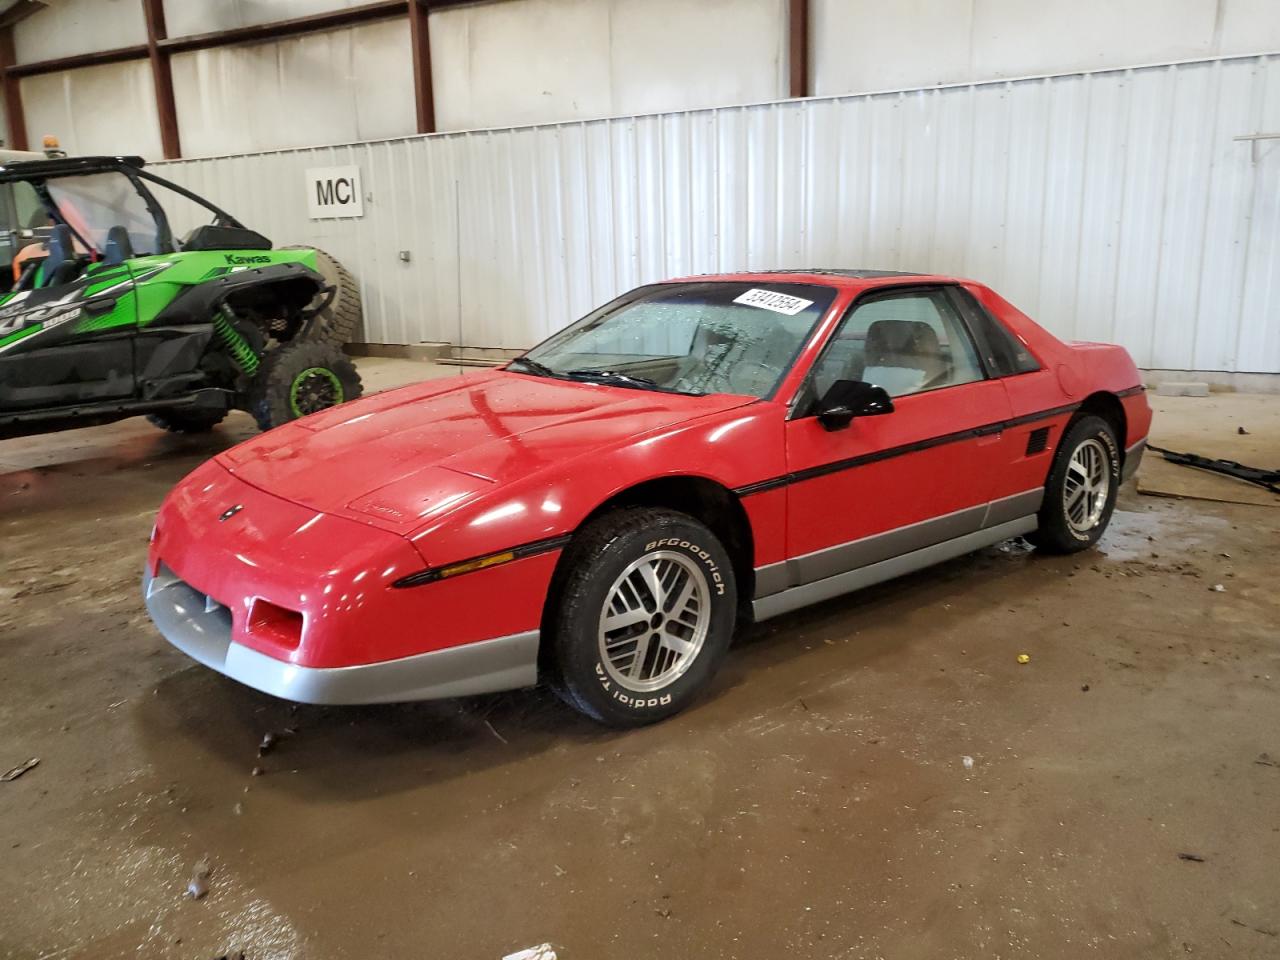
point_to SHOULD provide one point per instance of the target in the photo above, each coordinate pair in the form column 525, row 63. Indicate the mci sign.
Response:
column 334, row 192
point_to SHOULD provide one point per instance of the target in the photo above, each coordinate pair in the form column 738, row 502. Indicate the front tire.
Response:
column 301, row 378
column 1080, row 494
column 644, row 616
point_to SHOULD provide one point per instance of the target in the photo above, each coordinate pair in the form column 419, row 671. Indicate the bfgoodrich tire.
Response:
column 1080, row 494
column 301, row 378
column 643, row 616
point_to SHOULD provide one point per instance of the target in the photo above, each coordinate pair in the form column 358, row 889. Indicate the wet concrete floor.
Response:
column 815, row 805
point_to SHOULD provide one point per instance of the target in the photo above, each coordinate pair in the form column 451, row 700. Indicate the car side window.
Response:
column 1005, row 354
column 905, row 341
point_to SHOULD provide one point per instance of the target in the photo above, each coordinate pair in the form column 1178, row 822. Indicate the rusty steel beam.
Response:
column 17, row 118
column 350, row 16
column 423, row 92
column 117, row 55
column 168, row 45
column 162, row 78
column 798, row 47
column 256, row 33
column 20, row 11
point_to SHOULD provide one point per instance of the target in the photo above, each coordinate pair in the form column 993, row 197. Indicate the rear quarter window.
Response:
column 1004, row 353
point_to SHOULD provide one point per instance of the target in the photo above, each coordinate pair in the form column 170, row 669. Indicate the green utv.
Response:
column 109, row 316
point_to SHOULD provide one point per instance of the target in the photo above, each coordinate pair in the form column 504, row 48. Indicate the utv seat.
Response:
column 118, row 247
column 62, row 265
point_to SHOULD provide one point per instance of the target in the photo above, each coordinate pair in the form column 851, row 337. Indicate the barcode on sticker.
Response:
column 769, row 300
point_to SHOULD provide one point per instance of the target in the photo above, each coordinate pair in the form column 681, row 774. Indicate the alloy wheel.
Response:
column 1087, row 485
column 654, row 621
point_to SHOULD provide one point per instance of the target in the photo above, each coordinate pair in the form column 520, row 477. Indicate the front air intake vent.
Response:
column 277, row 624
column 1038, row 441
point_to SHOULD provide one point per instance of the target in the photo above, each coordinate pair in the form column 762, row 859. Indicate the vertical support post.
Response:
column 162, row 76
column 423, row 91
column 798, row 47
column 17, row 118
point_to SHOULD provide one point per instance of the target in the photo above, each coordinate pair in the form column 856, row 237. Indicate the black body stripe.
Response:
column 1042, row 415
column 432, row 574
column 837, row 466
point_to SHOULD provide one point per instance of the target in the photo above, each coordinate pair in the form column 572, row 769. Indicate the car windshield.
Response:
column 697, row 338
column 93, row 203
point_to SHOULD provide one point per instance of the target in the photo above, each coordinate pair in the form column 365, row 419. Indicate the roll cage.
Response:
column 38, row 172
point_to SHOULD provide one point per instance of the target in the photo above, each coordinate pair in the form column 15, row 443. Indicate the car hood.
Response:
column 401, row 458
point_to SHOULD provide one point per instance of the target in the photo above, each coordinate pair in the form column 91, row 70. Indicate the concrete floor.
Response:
column 815, row 805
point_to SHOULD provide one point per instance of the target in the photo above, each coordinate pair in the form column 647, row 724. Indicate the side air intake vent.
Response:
column 1038, row 441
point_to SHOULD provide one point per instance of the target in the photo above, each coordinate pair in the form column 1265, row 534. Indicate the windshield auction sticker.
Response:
column 769, row 300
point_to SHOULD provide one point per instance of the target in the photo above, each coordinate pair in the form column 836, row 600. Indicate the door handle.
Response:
column 96, row 308
column 994, row 433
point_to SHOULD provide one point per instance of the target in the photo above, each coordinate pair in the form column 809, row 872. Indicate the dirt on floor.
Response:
column 877, row 776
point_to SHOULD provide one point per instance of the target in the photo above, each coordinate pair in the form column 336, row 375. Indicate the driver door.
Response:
column 887, row 485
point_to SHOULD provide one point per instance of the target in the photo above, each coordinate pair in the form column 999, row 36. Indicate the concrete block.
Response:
column 1189, row 388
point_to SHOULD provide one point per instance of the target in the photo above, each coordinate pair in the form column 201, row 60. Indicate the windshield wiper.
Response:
column 612, row 377
column 534, row 367
column 625, row 380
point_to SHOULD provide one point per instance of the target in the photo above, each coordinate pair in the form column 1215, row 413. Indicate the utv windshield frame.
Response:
column 39, row 172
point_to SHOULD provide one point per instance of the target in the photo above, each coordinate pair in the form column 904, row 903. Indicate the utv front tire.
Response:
column 187, row 420
column 643, row 616
column 298, row 379
column 1080, row 494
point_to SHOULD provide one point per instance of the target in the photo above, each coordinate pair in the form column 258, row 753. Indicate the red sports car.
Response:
column 603, row 511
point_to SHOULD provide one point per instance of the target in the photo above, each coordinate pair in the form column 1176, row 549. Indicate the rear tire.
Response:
column 189, row 420
column 1080, row 494
column 301, row 378
column 339, row 322
column 643, row 616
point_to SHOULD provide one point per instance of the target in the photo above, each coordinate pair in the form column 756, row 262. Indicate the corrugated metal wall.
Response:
column 1112, row 205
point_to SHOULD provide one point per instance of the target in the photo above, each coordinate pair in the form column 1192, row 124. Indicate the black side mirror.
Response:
column 846, row 399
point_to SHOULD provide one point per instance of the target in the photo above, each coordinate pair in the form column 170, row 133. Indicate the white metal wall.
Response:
column 511, row 62
column 70, row 27
column 329, row 87
column 184, row 17
column 864, row 45
column 1112, row 206
column 85, row 109
column 542, row 61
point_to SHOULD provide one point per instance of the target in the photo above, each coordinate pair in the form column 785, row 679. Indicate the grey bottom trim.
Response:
column 772, row 578
column 831, row 561
column 823, row 564
column 1014, row 507
column 802, row 596
column 1133, row 459
column 201, row 628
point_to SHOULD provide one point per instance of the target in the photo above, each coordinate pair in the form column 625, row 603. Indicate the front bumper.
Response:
column 200, row 627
